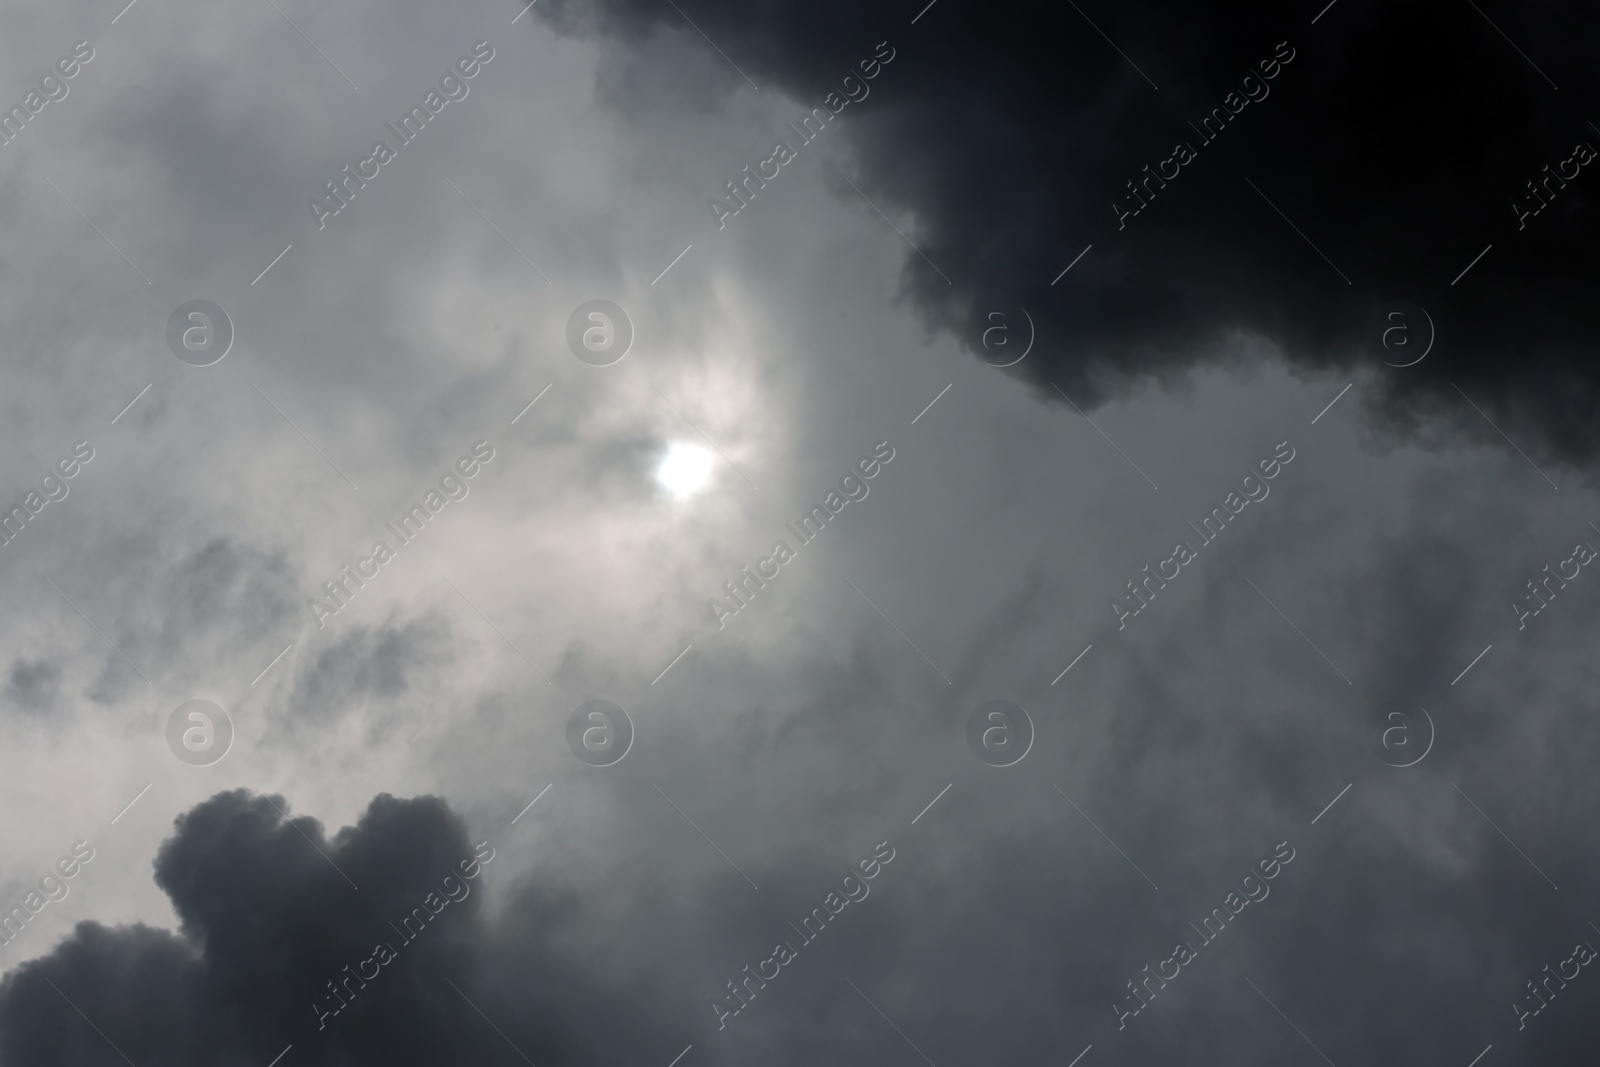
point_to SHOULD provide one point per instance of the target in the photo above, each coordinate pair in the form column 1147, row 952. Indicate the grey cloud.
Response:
column 372, row 669
column 811, row 728
column 33, row 684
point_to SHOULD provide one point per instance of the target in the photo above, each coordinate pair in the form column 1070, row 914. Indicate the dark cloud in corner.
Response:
column 274, row 913
column 1397, row 138
column 628, row 968
column 266, row 924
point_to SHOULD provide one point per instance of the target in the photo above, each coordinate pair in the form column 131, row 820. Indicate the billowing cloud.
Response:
column 271, row 912
column 1236, row 168
column 828, row 720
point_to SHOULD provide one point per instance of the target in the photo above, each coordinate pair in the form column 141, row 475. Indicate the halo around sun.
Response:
column 684, row 470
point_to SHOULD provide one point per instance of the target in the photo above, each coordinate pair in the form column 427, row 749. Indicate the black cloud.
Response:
column 271, row 910
column 266, row 922
column 1032, row 951
column 1396, row 139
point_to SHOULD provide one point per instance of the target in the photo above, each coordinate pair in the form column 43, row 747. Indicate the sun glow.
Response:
column 684, row 470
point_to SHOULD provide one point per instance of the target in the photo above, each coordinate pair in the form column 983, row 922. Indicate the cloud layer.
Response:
column 1237, row 168
column 1371, row 608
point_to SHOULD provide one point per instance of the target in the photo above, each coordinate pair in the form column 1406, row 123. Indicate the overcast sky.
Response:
column 1353, row 716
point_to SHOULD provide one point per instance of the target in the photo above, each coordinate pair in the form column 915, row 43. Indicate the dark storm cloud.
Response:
column 1396, row 137
column 1034, row 938
column 266, row 923
column 1007, row 926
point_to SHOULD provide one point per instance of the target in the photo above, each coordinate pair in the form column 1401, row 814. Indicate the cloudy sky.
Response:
column 1193, row 664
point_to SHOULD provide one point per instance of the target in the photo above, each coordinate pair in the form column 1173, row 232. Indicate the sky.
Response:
column 1112, row 487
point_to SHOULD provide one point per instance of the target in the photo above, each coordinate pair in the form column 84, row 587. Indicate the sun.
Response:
column 684, row 470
